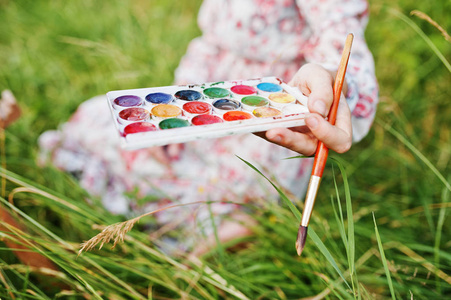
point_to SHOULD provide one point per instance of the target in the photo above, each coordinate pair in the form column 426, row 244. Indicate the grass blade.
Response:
column 322, row 248
column 423, row 35
column 56, row 238
column 417, row 153
column 351, row 231
column 351, row 238
column 384, row 261
column 339, row 219
column 438, row 235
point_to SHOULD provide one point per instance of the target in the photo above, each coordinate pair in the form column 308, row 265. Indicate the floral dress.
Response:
column 241, row 39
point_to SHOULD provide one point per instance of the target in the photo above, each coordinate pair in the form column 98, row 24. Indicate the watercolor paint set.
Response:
column 176, row 114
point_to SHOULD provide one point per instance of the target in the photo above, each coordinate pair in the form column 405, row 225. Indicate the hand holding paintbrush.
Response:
column 322, row 151
column 334, row 133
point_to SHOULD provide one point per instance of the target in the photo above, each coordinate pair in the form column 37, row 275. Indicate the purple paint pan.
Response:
column 127, row 101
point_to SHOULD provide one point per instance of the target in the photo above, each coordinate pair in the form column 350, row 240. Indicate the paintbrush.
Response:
column 322, row 151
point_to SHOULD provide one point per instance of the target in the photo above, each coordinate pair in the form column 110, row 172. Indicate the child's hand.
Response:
column 317, row 84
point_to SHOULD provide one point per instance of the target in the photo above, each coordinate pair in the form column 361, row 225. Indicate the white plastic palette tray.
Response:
column 291, row 115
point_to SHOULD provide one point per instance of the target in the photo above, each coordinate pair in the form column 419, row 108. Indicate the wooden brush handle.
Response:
column 322, row 151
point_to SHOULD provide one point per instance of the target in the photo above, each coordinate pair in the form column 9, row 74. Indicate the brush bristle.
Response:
column 300, row 241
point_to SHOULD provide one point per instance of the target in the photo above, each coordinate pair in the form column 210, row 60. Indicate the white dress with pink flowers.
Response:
column 241, row 39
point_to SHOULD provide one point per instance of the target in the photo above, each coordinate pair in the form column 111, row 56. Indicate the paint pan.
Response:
column 236, row 116
column 267, row 88
column 159, row 98
column 214, row 93
column 165, row 111
column 221, row 106
column 280, row 100
column 266, row 112
column 242, row 90
column 206, row 120
column 207, row 110
column 126, row 101
column 194, row 108
column 252, row 102
column 133, row 114
column 188, row 95
column 173, row 123
column 139, row 127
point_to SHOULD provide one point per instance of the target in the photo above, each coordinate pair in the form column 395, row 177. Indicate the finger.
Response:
column 338, row 137
column 317, row 84
column 296, row 141
column 299, row 129
column 321, row 95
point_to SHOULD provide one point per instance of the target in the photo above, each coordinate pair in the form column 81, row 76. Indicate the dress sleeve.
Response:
column 330, row 21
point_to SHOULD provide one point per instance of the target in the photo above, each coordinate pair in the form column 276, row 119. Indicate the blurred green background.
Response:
column 56, row 54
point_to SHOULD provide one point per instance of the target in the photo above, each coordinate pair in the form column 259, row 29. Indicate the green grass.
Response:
column 63, row 53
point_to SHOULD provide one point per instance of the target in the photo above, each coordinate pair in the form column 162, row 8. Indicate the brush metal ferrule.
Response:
column 310, row 198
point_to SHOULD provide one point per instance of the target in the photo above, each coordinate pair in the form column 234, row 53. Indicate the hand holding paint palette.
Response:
column 177, row 114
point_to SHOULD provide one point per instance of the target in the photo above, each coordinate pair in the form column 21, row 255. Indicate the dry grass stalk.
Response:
column 3, row 280
column 114, row 232
column 425, row 17
column 117, row 232
column 33, row 190
column 421, row 260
